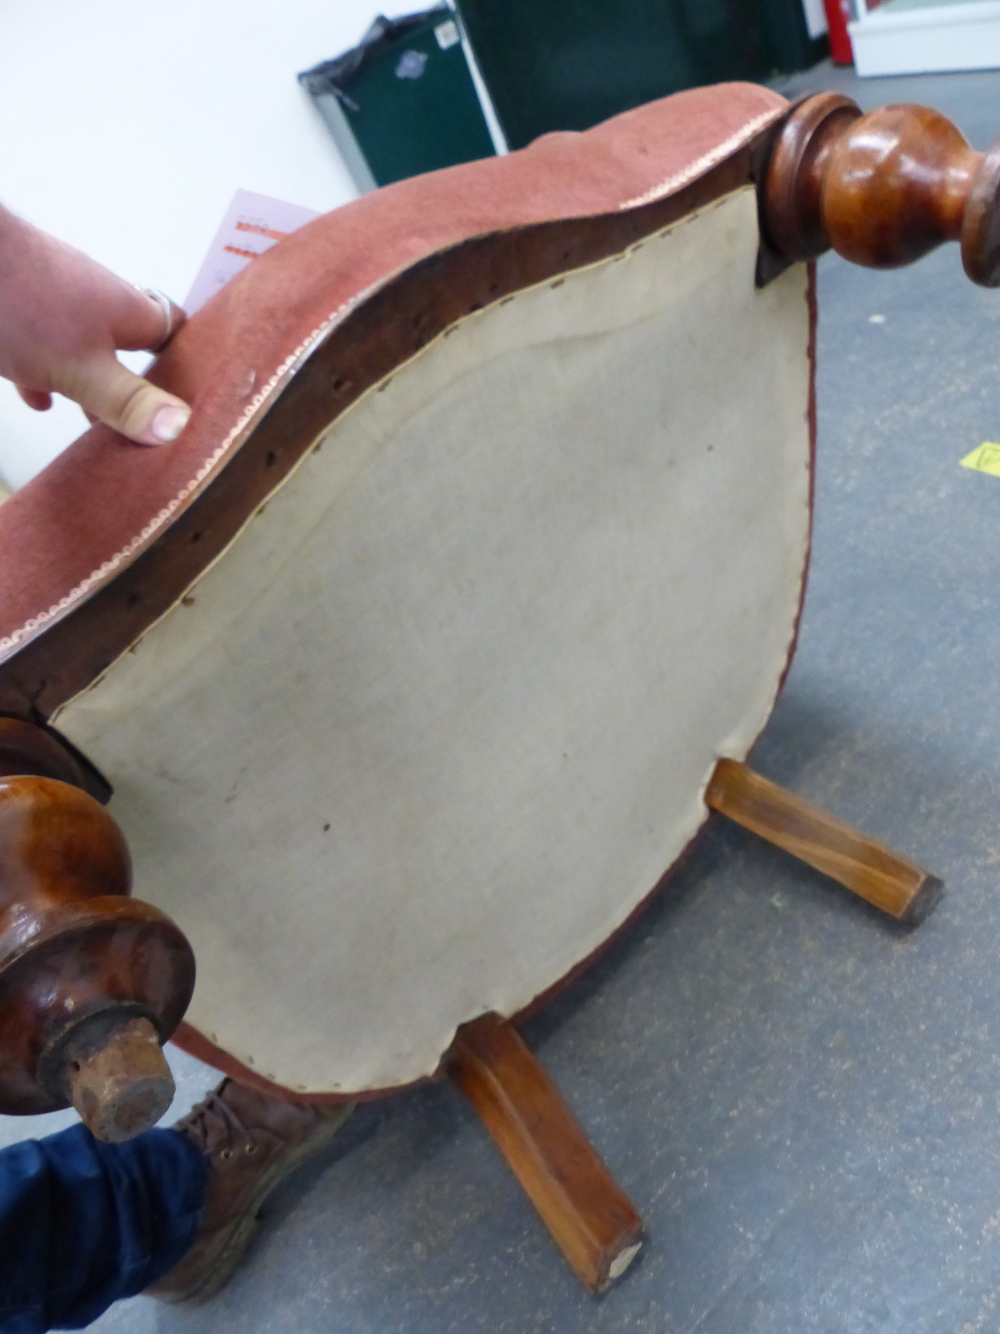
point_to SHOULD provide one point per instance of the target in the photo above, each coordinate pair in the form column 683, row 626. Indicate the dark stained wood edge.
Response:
column 35, row 748
column 980, row 237
column 26, row 749
column 882, row 188
column 379, row 335
column 855, row 860
column 790, row 185
column 811, row 411
column 771, row 263
column 589, row 1217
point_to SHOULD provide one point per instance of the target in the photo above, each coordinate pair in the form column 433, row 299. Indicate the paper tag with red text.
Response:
column 252, row 225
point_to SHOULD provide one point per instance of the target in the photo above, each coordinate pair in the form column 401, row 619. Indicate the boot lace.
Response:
column 214, row 1126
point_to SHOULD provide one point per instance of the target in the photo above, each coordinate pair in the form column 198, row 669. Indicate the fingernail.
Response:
column 169, row 422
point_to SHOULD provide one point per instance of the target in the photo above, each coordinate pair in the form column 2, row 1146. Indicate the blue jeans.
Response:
column 83, row 1224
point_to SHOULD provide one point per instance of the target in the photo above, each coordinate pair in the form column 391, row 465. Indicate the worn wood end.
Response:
column 591, row 1220
column 118, row 1079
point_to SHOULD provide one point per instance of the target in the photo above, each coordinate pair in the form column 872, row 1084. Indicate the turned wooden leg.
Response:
column 881, row 189
column 870, row 869
column 92, row 981
column 590, row 1219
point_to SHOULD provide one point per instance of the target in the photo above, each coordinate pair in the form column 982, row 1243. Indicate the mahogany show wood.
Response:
column 591, row 1220
column 881, row 189
column 91, row 980
column 857, row 861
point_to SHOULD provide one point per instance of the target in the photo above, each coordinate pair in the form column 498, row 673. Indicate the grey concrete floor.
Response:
column 802, row 1100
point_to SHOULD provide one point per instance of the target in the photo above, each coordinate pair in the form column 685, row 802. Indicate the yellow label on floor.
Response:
column 984, row 459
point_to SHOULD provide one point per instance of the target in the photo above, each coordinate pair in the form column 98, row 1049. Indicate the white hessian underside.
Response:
column 441, row 715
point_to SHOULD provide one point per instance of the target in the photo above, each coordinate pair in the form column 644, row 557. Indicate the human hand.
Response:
column 62, row 318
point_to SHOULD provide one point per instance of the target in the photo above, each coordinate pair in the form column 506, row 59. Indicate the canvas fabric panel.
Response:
column 441, row 716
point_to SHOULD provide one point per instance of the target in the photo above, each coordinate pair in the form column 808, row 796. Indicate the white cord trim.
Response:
column 108, row 568
column 113, row 563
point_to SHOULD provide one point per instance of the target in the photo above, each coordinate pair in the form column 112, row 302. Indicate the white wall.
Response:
column 816, row 24
column 129, row 124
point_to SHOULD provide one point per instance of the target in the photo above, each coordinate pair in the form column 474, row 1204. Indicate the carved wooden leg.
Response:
column 590, row 1219
column 92, row 981
column 882, row 189
column 870, row 869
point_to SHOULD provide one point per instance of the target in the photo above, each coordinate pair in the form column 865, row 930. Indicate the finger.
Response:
column 35, row 398
column 143, row 325
column 129, row 404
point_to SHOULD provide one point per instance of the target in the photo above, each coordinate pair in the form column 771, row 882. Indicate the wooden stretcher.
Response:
column 428, row 649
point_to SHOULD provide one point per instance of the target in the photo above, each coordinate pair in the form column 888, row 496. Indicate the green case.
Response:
column 568, row 64
column 403, row 102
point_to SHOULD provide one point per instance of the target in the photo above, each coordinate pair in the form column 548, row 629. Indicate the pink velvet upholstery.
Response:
column 94, row 509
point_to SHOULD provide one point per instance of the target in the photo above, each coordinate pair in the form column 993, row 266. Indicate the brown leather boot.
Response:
column 251, row 1142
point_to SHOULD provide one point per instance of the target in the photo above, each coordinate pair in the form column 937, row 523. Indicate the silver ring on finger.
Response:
column 167, row 307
